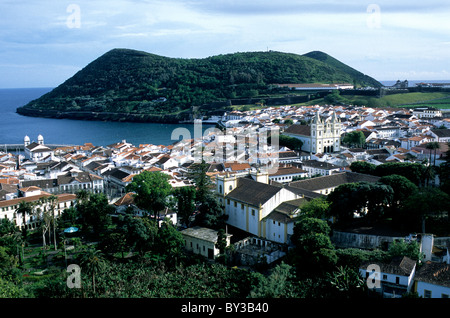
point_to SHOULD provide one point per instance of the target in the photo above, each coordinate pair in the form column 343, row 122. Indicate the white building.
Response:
column 37, row 151
column 433, row 280
column 249, row 201
column 202, row 241
column 427, row 112
column 322, row 136
column 392, row 280
column 8, row 208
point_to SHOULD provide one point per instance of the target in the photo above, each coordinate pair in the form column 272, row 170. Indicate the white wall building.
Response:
column 321, row 136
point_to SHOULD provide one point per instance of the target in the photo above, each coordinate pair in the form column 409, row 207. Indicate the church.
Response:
column 323, row 135
column 37, row 151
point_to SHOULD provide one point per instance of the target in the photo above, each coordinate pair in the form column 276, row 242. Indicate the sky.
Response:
column 45, row 42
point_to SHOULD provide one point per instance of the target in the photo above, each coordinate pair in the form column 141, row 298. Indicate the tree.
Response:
column 140, row 233
column 313, row 251
column 354, row 138
column 403, row 248
column 402, row 190
column 415, row 172
column 362, row 167
column 426, row 203
column 445, row 172
column 95, row 213
column 69, row 217
column 433, row 145
column 288, row 141
column 211, row 213
column 92, row 262
column 280, row 283
column 169, row 243
column 203, row 183
column 366, row 199
column 24, row 208
column 50, row 203
column 316, row 208
column 151, row 191
column 185, row 199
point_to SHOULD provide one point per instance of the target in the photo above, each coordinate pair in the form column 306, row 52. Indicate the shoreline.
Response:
column 102, row 116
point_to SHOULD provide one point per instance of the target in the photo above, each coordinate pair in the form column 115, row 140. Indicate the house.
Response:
column 315, row 167
column 8, row 207
column 248, row 201
column 427, row 112
column 391, row 279
column 440, row 135
column 432, row 280
column 286, row 173
column 202, row 241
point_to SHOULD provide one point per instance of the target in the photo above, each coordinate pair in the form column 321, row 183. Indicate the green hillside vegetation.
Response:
column 129, row 81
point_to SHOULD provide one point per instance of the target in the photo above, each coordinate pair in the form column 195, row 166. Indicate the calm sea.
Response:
column 14, row 127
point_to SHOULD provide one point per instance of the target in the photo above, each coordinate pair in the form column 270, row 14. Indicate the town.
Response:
column 266, row 167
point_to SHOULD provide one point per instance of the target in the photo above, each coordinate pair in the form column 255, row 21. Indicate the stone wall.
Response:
column 363, row 241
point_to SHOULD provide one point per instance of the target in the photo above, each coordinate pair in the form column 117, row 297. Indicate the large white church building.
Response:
column 323, row 135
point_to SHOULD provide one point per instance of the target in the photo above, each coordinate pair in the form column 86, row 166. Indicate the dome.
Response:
column 40, row 137
column 26, row 138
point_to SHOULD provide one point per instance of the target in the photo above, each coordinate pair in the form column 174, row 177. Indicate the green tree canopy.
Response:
column 151, row 191
column 185, row 202
column 313, row 251
column 95, row 213
column 316, row 208
column 354, row 138
column 363, row 167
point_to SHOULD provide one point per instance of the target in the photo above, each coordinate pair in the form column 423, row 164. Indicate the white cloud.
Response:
column 412, row 36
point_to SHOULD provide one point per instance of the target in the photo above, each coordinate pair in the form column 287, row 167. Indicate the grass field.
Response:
column 407, row 100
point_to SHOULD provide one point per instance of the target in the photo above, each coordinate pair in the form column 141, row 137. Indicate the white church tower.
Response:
column 26, row 141
column 325, row 134
column 40, row 140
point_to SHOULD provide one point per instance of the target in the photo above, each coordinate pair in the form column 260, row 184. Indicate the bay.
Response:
column 14, row 127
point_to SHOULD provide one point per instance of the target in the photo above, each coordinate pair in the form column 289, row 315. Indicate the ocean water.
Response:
column 14, row 127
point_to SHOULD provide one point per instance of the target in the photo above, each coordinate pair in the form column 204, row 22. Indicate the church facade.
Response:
column 323, row 135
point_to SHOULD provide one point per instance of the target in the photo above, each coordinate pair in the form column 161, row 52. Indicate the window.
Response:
column 444, row 296
column 384, row 277
column 228, row 201
column 427, row 293
column 242, row 206
column 235, row 204
column 253, row 212
column 397, row 280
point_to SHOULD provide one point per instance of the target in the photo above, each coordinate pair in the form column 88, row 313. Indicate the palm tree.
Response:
column 434, row 145
column 25, row 208
column 52, row 201
column 92, row 262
